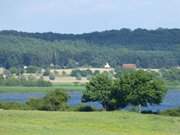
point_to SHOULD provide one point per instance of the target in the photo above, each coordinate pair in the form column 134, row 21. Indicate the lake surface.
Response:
column 171, row 100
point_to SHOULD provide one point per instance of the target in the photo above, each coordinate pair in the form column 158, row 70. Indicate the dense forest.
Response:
column 146, row 48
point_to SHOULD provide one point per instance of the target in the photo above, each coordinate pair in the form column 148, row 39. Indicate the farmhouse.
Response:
column 129, row 66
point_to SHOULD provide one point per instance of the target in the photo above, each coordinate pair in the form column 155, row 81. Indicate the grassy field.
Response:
column 69, row 86
column 95, row 123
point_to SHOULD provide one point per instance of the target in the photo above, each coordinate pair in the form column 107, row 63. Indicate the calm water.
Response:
column 171, row 100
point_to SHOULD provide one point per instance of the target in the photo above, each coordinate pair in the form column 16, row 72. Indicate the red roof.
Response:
column 129, row 66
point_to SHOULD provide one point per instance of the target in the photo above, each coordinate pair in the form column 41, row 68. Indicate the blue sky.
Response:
column 79, row 16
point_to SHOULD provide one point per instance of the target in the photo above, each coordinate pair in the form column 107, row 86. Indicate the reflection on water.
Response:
column 171, row 100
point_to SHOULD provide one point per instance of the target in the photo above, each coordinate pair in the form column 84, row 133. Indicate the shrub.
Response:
column 13, row 70
column 171, row 112
column 32, row 69
column 46, row 72
column 53, row 101
column 63, row 73
column 51, row 76
column 78, row 77
column 84, row 108
column 83, row 73
column 35, row 104
column 13, row 106
column 24, row 82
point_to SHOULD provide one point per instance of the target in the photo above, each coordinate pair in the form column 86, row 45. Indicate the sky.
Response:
column 82, row 16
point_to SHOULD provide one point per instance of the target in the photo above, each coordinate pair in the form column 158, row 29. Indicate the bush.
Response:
column 149, row 112
column 46, row 72
column 78, row 77
column 13, row 106
column 171, row 112
column 32, row 69
column 35, row 104
column 13, row 70
column 24, row 82
column 63, row 73
column 84, row 108
column 51, row 76
column 53, row 101
column 83, row 73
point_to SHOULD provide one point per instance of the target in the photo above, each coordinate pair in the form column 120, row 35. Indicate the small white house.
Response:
column 107, row 65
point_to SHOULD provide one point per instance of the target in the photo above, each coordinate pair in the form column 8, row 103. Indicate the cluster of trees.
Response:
column 137, row 88
column 146, row 48
column 83, row 73
column 54, row 101
column 27, row 83
column 11, row 81
column 138, row 38
column 172, row 74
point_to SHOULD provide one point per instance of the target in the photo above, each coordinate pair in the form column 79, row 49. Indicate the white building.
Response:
column 107, row 65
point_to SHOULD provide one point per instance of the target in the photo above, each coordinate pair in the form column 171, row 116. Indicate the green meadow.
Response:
column 79, row 123
column 69, row 87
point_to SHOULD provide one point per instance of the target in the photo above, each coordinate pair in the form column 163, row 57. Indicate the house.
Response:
column 129, row 66
column 107, row 66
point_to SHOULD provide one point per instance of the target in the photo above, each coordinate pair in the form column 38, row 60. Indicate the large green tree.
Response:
column 99, row 89
column 143, row 88
column 138, row 88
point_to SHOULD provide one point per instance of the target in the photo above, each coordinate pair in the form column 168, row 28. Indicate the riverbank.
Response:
column 78, row 123
column 64, row 86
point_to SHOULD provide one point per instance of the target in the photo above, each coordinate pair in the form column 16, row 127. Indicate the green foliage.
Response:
column 32, row 69
column 46, row 72
column 24, row 82
column 142, row 87
column 52, row 76
column 13, row 70
column 64, row 73
column 138, row 88
column 145, row 48
column 99, row 89
column 54, row 101
column 84, row 108
column 171, row 112
column 12, row 106
column 172, row 74
column 78, row 76
column 83, row 73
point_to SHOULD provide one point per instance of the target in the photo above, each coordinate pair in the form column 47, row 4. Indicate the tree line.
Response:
column 146, row 48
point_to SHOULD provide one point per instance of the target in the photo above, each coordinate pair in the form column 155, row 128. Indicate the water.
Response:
column 75, row 98
column 171, row 100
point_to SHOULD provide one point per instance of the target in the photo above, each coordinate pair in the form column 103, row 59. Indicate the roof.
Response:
column 129, row 66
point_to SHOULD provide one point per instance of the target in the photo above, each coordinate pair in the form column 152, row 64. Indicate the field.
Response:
column 64, row 86
column 77, row 123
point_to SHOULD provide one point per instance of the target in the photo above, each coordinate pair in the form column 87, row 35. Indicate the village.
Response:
column 66, row 75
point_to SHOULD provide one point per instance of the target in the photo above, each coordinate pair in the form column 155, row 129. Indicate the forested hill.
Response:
column 146, row 48
column 138, row 38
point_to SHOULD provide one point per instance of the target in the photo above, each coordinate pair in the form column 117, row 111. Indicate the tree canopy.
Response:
column 146, row 48
column 135, row 88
